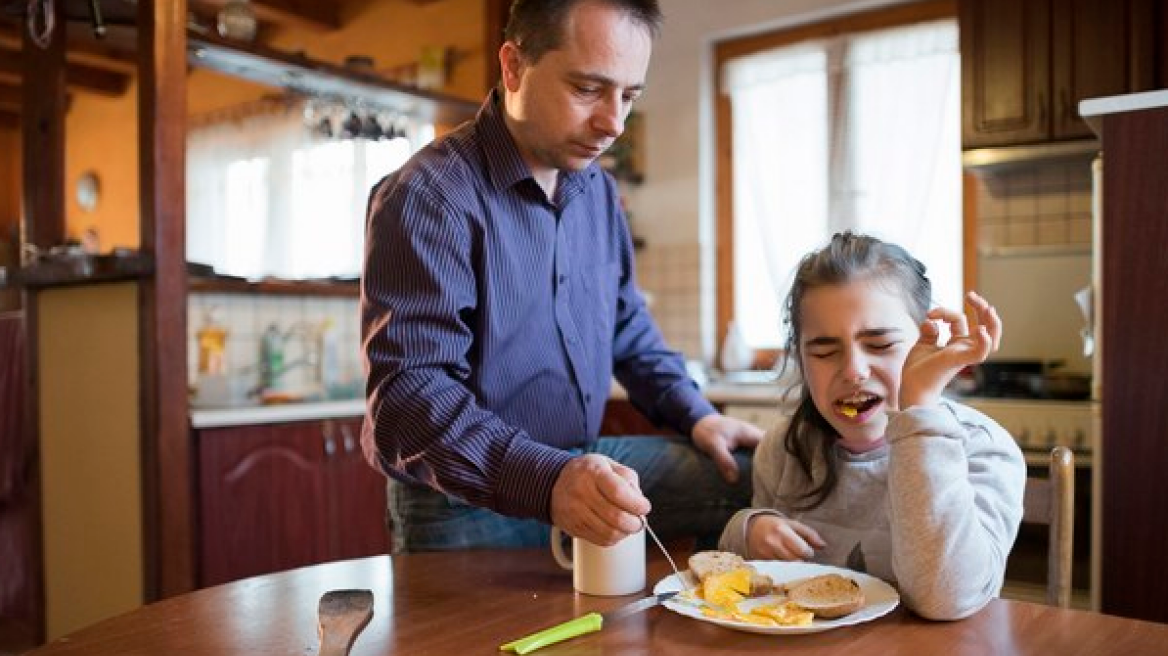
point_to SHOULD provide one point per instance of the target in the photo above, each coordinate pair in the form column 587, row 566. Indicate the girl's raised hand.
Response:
column 930, row 365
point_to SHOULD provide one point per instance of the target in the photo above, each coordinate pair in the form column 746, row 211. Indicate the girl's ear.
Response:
column 511, row 65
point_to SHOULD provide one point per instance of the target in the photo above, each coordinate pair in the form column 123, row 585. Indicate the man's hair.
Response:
column 537, row 26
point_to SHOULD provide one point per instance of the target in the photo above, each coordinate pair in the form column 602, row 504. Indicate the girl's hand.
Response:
column 769, row 537
column 930, row 366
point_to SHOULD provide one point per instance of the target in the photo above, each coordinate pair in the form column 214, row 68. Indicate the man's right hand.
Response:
column 599, row 500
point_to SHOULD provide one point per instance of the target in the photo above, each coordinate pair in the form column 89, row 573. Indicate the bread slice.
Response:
column 828, row 596
column 706, row 564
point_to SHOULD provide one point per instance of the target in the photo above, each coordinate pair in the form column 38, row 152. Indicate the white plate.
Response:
column 879, row 598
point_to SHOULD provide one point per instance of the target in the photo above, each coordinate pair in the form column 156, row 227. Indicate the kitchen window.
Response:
column 266, row 196
column 841, row 129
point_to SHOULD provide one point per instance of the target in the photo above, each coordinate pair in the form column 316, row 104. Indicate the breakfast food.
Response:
column 828, row 596
column 726, row 580
column 719, row 567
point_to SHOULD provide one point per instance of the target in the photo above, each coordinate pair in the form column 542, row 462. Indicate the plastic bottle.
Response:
column 736, row 353
column 330, row 362
column 271, row 356
column 212, row 342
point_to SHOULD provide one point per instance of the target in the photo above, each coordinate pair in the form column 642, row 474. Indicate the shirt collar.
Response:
column 505, row 165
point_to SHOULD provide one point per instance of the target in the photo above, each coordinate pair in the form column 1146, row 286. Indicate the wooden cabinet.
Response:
column 1026, row 64
column 278, row 496
column 1133, row 306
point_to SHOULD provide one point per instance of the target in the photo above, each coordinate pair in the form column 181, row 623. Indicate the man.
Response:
column 498, row 302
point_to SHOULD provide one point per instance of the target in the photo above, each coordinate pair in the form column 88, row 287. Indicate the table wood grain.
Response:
column 470, row 602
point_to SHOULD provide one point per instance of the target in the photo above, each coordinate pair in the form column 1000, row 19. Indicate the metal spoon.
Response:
column 682, row 579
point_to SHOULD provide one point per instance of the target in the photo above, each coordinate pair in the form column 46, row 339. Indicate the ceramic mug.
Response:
column 603, row 571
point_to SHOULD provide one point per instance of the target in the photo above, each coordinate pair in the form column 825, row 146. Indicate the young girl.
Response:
column 875, row 471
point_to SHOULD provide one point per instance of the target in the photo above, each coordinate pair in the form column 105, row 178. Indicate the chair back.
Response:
column 1050, row 501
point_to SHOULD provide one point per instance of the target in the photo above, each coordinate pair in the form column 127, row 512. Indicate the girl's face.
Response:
column 855, row 339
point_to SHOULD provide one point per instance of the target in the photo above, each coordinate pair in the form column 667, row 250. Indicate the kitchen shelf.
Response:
column 273, row 287
column 299, row 73
column 78, row 270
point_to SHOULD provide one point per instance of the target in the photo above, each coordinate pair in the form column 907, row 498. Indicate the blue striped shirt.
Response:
column 494, row 320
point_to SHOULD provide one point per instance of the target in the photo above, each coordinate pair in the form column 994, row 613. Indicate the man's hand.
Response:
column 717, row 436
column 599, row 500
column 769, row 537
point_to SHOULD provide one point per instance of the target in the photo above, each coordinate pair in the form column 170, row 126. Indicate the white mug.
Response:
column 603, row 571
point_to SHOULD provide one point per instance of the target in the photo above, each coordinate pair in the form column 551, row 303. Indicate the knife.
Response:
column 583, row 624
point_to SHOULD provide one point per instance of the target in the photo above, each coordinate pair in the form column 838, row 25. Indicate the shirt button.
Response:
column 588, row 398
column 563, row 278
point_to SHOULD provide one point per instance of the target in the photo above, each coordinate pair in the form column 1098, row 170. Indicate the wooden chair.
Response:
column 1051, row 501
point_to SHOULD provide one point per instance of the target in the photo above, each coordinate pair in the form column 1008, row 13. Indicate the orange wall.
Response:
column 101, row 135
column 101, row 132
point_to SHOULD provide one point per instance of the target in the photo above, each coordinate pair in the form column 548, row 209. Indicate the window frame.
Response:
column 730, row 49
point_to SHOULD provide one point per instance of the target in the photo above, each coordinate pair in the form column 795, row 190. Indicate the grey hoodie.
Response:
column 934, row 511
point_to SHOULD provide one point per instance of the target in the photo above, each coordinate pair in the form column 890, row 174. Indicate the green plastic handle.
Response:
column 558, row 633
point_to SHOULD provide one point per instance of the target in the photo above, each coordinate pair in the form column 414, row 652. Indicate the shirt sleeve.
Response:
column 955, row 503
column 427, row 426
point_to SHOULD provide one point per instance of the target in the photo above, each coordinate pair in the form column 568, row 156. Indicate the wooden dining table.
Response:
column 471, row 602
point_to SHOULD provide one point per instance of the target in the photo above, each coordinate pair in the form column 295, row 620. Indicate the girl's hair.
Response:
column 847, row 258
column 537, row 26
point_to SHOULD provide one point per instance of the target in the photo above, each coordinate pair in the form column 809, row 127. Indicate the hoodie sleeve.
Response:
column 766, row 474
column 955, row 487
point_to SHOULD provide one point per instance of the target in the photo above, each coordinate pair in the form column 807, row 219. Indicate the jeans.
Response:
column 690, row 499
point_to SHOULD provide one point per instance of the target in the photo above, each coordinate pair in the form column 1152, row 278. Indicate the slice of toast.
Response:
column 828, row 596
column 705, row 564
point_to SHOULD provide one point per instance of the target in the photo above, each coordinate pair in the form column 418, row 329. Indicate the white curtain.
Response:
column 860, row 132
column 265, row 197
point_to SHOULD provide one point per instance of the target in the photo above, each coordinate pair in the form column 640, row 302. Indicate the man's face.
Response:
column 854, row 342
column 568, row 108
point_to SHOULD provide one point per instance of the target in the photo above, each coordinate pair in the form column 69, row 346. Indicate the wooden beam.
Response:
column 318, row 15
column 81, row 76
column 11, row 98
column 43, row 107
column 106, row 53
column 166, row 442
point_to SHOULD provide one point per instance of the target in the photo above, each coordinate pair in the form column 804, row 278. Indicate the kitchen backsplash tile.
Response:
column 1041, row 204
column 247, row 316
column 669, row 274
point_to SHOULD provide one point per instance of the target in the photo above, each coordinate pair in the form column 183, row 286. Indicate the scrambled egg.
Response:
column 723, row 592
column 785, row 613
column 849, row 411
column 728, row 588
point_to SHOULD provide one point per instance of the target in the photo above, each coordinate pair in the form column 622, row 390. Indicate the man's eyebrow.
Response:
column 596, row 78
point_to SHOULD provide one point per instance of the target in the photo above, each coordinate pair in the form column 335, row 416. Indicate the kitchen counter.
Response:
column 275, row 414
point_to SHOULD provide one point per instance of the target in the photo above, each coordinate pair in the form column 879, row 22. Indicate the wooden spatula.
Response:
column 343, row 613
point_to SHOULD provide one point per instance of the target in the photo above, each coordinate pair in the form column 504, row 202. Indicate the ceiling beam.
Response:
column 317, row 15
column 81, row 76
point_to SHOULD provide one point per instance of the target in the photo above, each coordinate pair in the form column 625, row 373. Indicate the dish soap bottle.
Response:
column 271, row 357
column 212, row 342
column 330, row 363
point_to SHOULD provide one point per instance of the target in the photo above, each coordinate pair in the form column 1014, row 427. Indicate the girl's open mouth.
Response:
column 857, row 405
